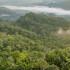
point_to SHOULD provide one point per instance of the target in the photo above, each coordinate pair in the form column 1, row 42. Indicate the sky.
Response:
column 25, row 2
column 18, row 2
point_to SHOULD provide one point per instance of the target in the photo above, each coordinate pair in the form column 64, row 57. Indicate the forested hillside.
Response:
column 35, row 42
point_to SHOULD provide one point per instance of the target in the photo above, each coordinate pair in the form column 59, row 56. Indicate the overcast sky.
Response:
column 25, row 2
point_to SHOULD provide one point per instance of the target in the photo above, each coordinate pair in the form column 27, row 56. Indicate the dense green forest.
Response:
column 35, row 42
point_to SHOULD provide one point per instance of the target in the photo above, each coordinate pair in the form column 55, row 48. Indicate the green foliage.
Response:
column 31, row 43
column 60, row 58
column 52, row 67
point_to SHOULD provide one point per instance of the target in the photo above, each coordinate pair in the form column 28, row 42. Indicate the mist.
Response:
column 40, row 9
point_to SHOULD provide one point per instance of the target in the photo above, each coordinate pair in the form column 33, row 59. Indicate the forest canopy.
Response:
column 35, row 42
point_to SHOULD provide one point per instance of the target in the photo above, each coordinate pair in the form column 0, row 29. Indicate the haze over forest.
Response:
column 34, row 34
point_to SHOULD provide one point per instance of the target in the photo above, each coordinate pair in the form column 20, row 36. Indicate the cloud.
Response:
column 43, row 9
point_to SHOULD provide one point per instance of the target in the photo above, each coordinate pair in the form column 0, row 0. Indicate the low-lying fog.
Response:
column 38, row 9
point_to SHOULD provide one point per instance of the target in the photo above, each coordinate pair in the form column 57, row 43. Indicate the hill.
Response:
column 7, row 14
column 35, row 42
